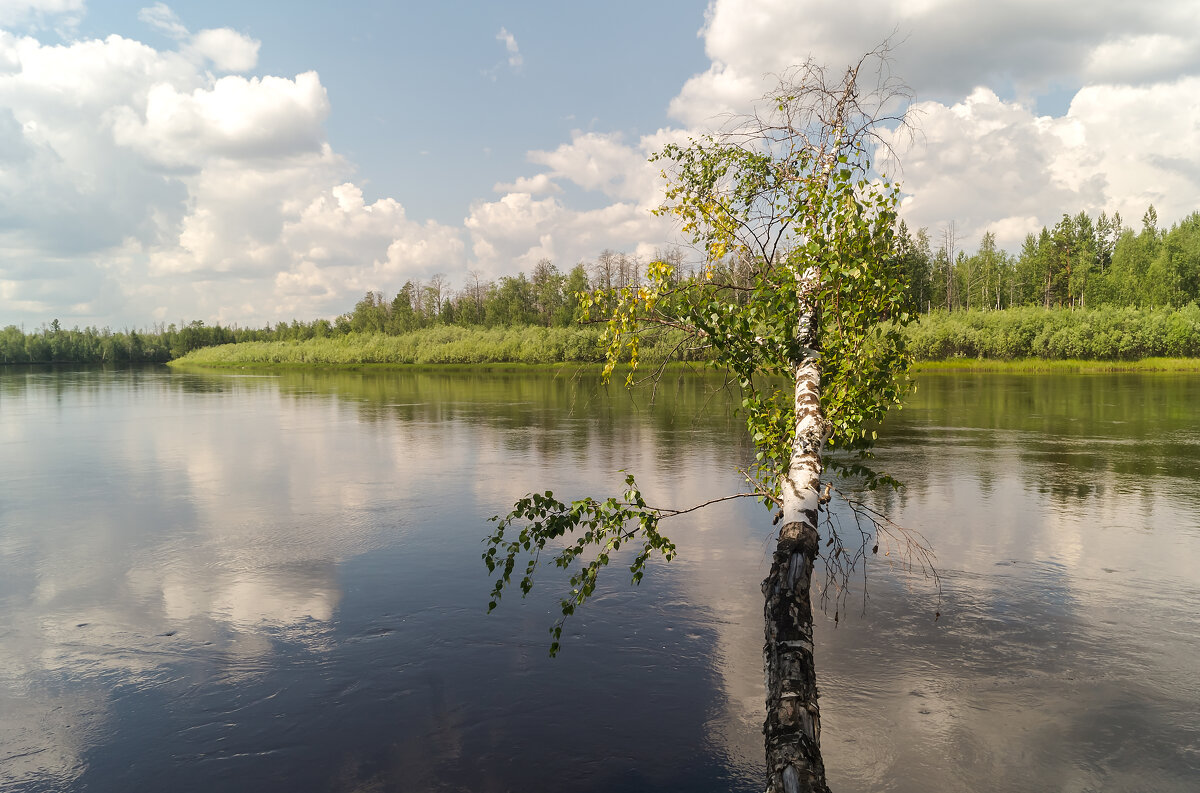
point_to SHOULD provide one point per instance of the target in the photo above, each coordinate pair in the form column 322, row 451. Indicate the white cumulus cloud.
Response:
column 534, row 185
column 234, row 117
column 984, row 156
column 519, row 228
column 138, row 181
column 942, row 49
column 137, row 184
column 990, row 164
column 226, row 49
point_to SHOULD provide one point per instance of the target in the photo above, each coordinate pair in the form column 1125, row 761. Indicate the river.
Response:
column 272, row 582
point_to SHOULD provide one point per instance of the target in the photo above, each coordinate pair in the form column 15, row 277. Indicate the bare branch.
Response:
column 876, row 531
column 670, row 513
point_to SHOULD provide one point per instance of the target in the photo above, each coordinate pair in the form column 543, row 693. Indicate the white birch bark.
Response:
column 793, row 726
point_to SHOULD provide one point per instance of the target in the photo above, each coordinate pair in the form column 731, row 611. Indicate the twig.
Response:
column 670, row 513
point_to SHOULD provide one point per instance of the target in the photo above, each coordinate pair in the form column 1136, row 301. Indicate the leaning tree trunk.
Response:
column 793, row 726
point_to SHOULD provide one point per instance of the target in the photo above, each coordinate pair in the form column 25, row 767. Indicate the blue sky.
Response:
column 254, row 162
column 423, row 100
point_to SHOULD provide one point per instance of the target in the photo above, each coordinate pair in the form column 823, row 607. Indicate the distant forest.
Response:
column 1079, row 263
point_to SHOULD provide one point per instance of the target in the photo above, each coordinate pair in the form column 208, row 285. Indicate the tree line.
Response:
column 1082, row 262
column 547, row 297
column 55, row 344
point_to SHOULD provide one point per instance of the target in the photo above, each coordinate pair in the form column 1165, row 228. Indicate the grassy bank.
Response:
column 430, row 346
column 1016, row 340
column 1039, row 366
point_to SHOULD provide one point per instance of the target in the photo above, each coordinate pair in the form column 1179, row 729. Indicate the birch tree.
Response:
column 809, row 329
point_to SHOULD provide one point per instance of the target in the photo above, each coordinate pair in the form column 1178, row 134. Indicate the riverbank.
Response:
column 963, row 365
column 1063, row 334
column 1014, row 340
column 1041, row 366
column 443, row 345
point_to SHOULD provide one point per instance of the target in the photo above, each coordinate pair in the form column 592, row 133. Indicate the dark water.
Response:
column 213, row 582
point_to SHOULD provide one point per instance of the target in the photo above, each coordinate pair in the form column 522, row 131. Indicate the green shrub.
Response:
column 1102, row 334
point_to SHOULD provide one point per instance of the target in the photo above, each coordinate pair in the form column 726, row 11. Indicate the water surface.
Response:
column 272, row 582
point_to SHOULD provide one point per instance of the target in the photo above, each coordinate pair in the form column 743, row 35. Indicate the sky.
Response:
column 255, row 162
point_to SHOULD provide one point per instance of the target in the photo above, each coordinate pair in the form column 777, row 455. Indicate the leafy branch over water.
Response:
column 603, row 526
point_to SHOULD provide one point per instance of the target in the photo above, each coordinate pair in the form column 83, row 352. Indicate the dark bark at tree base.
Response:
column 793, row 725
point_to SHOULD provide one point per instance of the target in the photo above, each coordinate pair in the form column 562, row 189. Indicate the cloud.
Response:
column 514, row 58
column 160, row 17
column 985, row 157
column 534, row 185
column 227, row 50
column 338, row 233
column 1142, row 58
column 138, row 181
column 37, row 14
column 234, row 117
column 994, row 164
column 510, row 45
column 943, row 49
column 310, row 250
column 136, row 184
column 518, row 229
column 601, row 162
